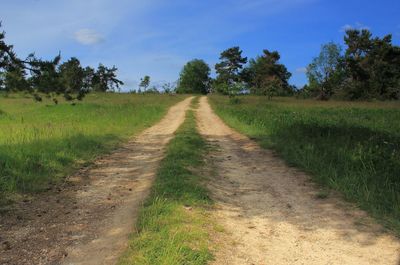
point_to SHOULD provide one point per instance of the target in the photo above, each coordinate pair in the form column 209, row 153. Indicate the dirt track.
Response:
column 272, row 214
column 89, row 219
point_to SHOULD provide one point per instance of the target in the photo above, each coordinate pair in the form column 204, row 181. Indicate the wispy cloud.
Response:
column 301, row 70
column 88, row 37
column 357, row 25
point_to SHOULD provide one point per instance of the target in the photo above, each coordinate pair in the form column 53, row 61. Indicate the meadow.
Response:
column 41, row 143
column 350, row 147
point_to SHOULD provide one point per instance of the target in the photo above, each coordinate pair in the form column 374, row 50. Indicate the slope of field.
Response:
column 42, row 142
column 350, row 147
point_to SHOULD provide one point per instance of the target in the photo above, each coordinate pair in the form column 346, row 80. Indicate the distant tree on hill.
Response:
column 325, row 73
column 87, row 79
column 194, row 78
column 45, row 77
column 72, row 75
column 12, row 70
column 14, row 79
column 266, row 76
column 7, row 54
column 144, row 83
column 169, row 88
column 105, row 79
column 228, row 70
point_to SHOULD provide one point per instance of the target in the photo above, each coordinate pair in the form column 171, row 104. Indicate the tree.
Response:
column 87, row 79
column 12, row 72
column 71, row 75
column 45, row 77
column 194, row 78
column 15, row 79
column 266, row 76
column 144, row 82
column 105, row 79
column 7, row 55
column 325, row 72
column 372, row 66
column 169, row 88
column 229, row 71
column 50, row 78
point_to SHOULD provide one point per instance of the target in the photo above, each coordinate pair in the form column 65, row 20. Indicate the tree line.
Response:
column 52, row 77
column 366, row 67
column 263, row 75
column 369, row 68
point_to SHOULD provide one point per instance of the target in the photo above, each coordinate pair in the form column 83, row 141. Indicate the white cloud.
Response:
column 357, row 25
column 301, row 70
column 88, row 37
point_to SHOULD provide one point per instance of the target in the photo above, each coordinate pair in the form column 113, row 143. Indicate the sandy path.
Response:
column 89, row 220
column 271, row 212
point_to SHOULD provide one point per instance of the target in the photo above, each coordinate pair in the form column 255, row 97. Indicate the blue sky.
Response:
column 156, row 38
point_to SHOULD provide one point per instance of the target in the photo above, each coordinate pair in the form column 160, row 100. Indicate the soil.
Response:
column 273, row 213
column 88, row 219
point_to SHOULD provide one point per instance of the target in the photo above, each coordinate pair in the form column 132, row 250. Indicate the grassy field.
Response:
column 40, row 143
column 173, row 226
column 350, row 147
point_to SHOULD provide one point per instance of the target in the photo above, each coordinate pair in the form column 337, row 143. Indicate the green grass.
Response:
column 350, row 147
column 173, row 226
column 40, row 143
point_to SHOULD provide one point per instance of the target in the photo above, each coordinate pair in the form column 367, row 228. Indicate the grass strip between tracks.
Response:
column 174, row 225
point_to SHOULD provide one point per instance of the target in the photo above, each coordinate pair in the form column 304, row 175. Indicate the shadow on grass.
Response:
column 361, row 163
column 32, row 166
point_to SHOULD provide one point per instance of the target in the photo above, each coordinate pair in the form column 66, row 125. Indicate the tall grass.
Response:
column 351, row 147
column 40, row 143
column 173, row 224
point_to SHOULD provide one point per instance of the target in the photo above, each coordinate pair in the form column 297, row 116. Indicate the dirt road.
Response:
column 273, row 215
column 89, row 219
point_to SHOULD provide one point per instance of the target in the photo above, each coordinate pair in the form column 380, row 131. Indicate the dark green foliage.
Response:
column 266, row 76
column 194, row 78
column 353, row 149
column 45, row 77
column 229, row 78
column 372, row 66
column 72, row 75
column 105, row 79
column 50, row 78
column 369, row 69
column 15, row 79
column 7, row 55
